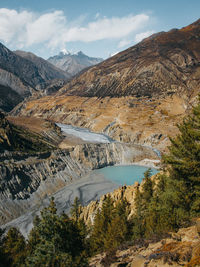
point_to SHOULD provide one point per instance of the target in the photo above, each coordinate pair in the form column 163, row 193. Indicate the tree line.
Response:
column 163, row 205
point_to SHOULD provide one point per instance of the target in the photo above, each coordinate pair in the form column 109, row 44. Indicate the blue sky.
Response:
column 97, row 27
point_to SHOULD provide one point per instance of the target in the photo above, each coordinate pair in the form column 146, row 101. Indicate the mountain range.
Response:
column 135, row 96
column 73, row 63
column 165, row 63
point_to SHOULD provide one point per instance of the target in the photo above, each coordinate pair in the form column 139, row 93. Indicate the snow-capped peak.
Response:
column 65, row 52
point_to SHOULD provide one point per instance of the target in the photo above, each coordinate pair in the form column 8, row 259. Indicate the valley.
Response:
column 116, row 117
column 61, row 123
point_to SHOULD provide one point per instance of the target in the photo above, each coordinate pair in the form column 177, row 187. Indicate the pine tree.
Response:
column 111, row 226
column 142, row 201
column 76, row 209
column 184, row 161
column 102, row 221
column 2, row 253
column 14, row 247
column 147, row 187
column 54, row 240
column 138, row 220
column 119, row 227
column 96, row 238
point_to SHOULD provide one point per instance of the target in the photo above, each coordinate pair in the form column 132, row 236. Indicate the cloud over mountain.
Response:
column 22, row 29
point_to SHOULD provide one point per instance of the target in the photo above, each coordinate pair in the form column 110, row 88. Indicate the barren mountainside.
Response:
column 136, row 96
column 165, row 63
column 47, row 70
column 23, row 74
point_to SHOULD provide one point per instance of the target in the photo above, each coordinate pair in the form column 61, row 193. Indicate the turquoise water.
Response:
column 126, row 174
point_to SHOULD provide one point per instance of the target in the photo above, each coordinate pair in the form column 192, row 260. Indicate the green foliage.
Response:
column 14, row 247
column 142, row 200
column 60, row 234
column 176, row 198
column 45, row 255
column 58, row 240
column 184, row 158
column 118, row 229
column 2, row 254
column 55, row 240
column 76, row 209
column 111, row 226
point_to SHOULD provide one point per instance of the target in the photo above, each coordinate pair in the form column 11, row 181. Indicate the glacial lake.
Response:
column 126, row 174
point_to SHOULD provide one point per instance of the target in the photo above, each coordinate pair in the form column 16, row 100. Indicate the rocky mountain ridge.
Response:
column 23, row 74
column 138, row 95
column 16, row 138
column 73, row 63
column 163, row 64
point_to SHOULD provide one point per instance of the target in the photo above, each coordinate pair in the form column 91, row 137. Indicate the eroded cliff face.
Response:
column 43, row 174
column 125, row 192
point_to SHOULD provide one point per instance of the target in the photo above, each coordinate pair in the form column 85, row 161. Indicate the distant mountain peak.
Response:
column 165, row 63
column 80, row 53
column 73, row 62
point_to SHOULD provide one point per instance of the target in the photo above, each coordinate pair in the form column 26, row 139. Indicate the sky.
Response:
column 98, row 28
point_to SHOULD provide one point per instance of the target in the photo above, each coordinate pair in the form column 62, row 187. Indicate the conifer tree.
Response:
column 147, row 187
column 119, row 228
column 111, row 226
column 142, row 201
column 76, row 209
column 184, row 161
column 2, row 254
column 96, row 239
column 14, row 247
column 54, row 240
column 102, row 221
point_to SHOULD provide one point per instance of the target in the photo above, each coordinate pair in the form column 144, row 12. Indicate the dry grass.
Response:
column 195, row 260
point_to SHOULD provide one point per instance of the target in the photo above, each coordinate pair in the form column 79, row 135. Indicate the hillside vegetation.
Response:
column 164, row 204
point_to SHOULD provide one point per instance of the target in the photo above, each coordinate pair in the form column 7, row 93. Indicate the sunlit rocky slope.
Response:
column 136, row 96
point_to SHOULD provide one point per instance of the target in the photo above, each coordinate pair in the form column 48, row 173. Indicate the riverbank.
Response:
column 87, row 189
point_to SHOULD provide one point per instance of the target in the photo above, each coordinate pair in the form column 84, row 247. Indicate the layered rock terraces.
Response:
column 43, row 174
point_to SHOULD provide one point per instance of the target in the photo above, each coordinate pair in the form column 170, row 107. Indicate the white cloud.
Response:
column 140, row 36
column 123, row 43
column 12, row 24
column 45, row 27
column 24, row 29
column 106, row 28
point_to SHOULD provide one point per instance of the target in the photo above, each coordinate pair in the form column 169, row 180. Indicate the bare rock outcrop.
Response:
column 47, row 172
column 170, row 251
